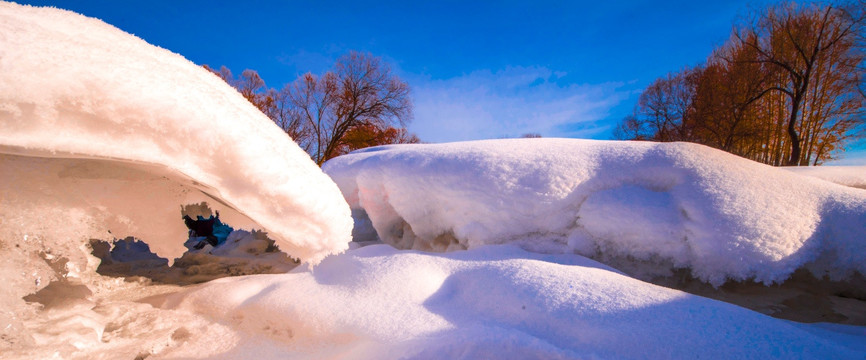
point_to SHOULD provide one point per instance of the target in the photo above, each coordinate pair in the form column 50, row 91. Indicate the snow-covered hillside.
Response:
column 103, row 136
column 675, row 205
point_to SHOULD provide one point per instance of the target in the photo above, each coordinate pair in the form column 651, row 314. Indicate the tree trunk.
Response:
column 794, row 160
column 796, row 101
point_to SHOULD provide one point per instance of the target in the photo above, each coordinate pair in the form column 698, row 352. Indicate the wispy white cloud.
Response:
column 510, row 102
column 852, row 157
column 488, row 104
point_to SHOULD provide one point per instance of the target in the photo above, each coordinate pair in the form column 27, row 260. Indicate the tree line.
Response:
column 358, row 104
column 787, row 88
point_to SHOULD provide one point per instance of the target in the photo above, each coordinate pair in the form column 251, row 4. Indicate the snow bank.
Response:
column 673, row 205
column 103, row 136
column 75, row 87
column 494, row 302
column 853, row 176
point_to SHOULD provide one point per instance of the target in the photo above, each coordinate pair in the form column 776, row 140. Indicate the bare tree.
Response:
column 791, row 39
column 361, row 103
column 663, row 111
column 223, row 73
column 633, row 128
column 249, row 85
column 786, row 89
column 362, row 91
column 312, row 103
column 723, row 104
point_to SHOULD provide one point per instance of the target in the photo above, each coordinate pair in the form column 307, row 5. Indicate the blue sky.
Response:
column 477, row 69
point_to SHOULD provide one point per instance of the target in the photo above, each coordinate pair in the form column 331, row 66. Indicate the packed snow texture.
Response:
column 853, row 176
column 76, row 87
column 494, row 302
column 103, row 136
column 663, row 206
column 377, row 302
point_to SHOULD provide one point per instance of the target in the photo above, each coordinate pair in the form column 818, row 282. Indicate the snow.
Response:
column 853, row 176
column 664, row 206
column 105, row 142
column 487, row 303
column 103, row 136
column 75, row 87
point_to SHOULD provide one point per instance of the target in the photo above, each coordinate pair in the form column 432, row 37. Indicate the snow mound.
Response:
column 103, row 137
column 673, row 205
column 494, row 302
column 853, row 176
column 75, row 87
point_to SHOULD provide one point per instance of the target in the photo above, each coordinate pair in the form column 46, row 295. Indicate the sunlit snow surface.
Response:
column 72, row 86
column 101, row 132
column 677, row 205
column 104, row 136
column 495, row 302
column 853, row 176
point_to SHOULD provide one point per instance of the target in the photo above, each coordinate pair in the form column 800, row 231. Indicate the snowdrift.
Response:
column 853, row 176
column 103, row 136
column 663, row 206
column 494, row 302
column 75, row 87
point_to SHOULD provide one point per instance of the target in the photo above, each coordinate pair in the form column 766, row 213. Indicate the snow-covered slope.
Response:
column 853, row 176
column 494, row 302
column 75, row 87
column 675, row 205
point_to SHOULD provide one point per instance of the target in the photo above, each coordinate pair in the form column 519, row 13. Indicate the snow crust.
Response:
column 102, row 137
column 493, row 302
column 673, row 205
column 853, row 176
column 75, row 87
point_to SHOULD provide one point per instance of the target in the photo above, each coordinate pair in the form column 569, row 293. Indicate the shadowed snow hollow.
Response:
column 676, row 205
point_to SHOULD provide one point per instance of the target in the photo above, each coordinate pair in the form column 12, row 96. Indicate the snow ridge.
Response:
column 676, row 204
